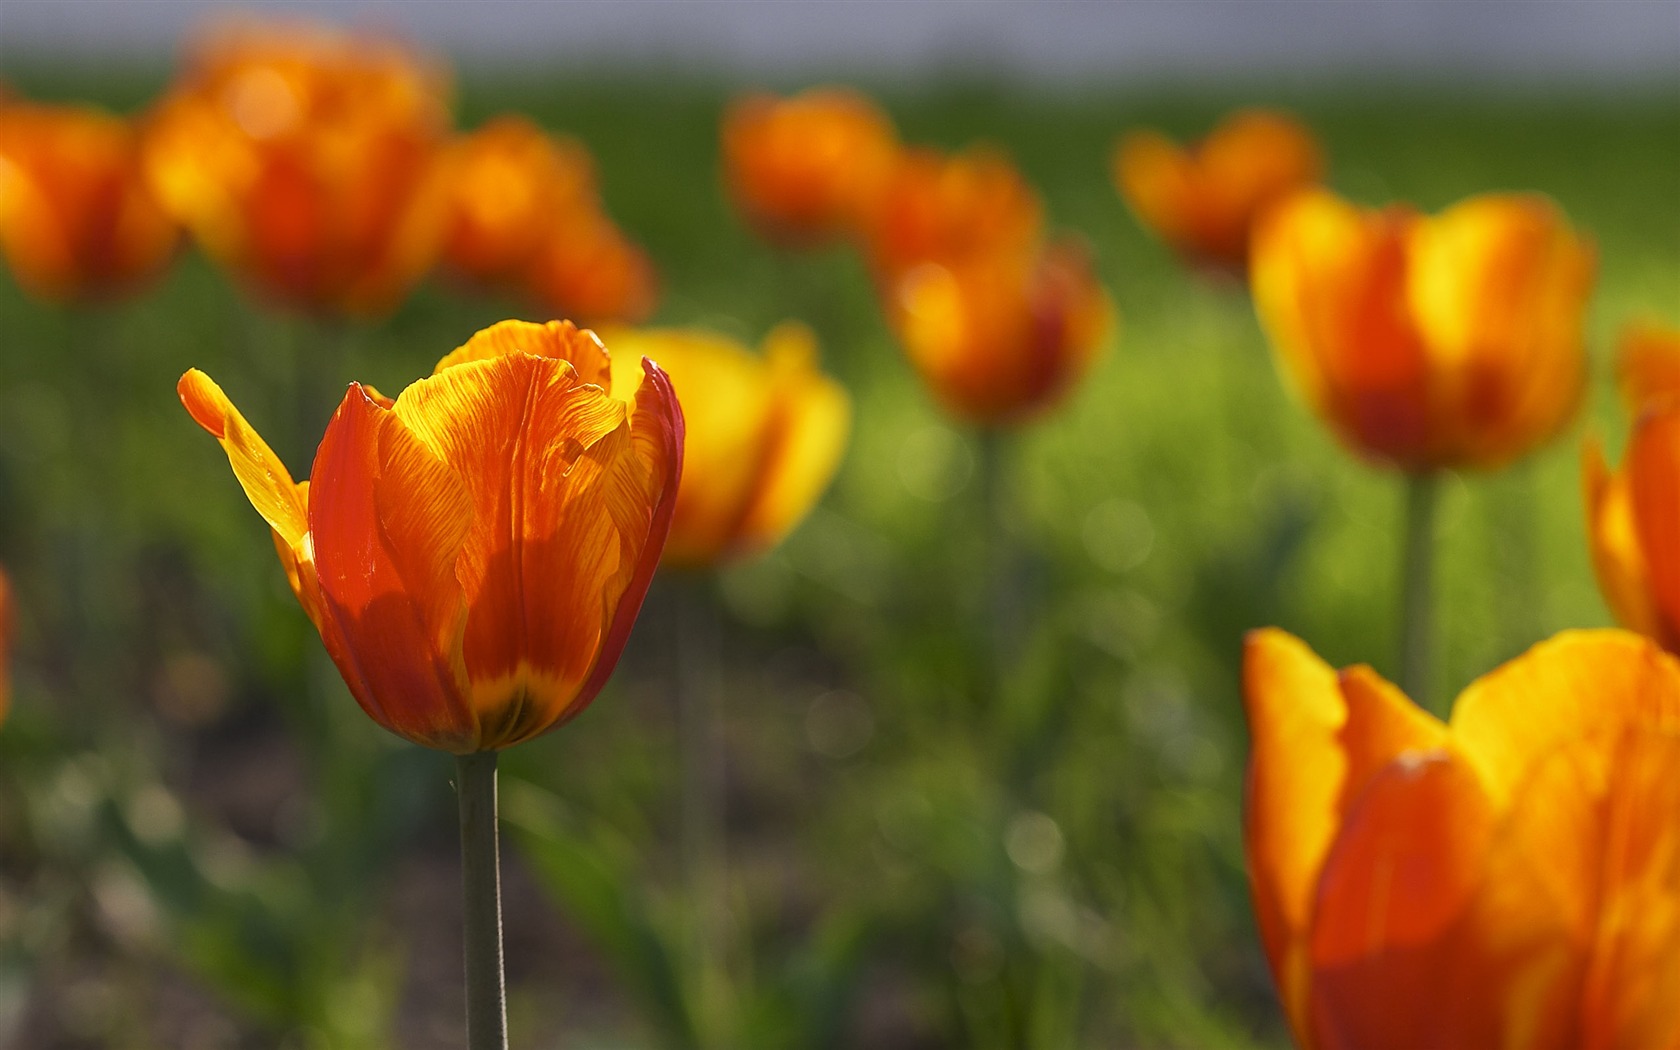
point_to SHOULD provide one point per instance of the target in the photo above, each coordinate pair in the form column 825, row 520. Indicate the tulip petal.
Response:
column 388, row 519
column 1652, row 471
column 1579, row 686
column 1618, row 560
column 267, row 483
column 1316, row 741
column 1155, row 176
column 811, row 420
column 559, row 340
column 1648, row 365
column 561, row 509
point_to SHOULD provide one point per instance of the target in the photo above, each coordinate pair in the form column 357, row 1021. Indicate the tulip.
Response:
column 949, row 209
column 1427, row 342
column 474, row 552
column 77, row 220
column 8, row 628
column 808, row 169
column 591, row 269
column 1507, row 879
column 1001, row 338
column 306, row 162
column 1633, row 515
column 764, row 436
column 1203, row 199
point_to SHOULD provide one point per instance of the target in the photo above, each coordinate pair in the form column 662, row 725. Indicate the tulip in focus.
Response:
column 764, row 436
column 77, row 220
column 475, row 552
column 1509, row 879
column 808, row 169
column 1428, row 341
column 305, row 161
column 1633, row 516
column 1003, row 337
column 1203, row 199
column 525, row 215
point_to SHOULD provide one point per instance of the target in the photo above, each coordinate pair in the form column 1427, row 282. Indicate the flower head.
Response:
column 807, row 169
column 1508, row 879
column 764, row 435
column 949, row 209
column 474, row 552
column 1633, row 515
column 77, row 220
column 1427, row 341
column 306, row 161
column 1203, row 199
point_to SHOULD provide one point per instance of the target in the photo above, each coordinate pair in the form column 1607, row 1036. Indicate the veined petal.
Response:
column 560, row 340
column 1316, row 741
column 811, row 420
column 1618, row 560
column 267, row 483
column 1579, row 686
column 388, row 519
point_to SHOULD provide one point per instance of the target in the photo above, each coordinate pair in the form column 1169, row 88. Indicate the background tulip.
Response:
column 77, row 220
column 1476, row 883
column 306, row 162
column 474, row 552
column 764, row 435
column 1648, row 364
column 807, row 169
column 1425, row 342
column 1203, row 199
column 950, row 209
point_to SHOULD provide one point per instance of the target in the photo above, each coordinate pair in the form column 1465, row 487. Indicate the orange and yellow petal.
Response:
column 1648, row 364
column 388, row 519
column 1652, row 475
column 267, row 483
column 559, row 340
column 1618, row 560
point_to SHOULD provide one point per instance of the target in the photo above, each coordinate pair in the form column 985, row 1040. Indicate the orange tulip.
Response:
column 1632, row 516
column 1002, row 337
column 1445, row 341
column 306, row 162
column 764, row 436
column 807, row 169
column 1203, row 199
column 591, row 269
column 76, row 218
column 475, row 552
column 8, row 628
column 950, row 209
column 1510, row 879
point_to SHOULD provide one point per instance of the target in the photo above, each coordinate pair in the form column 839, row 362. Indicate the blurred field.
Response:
column 204, row 844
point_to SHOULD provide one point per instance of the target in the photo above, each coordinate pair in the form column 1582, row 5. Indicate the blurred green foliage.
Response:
column 203, row 843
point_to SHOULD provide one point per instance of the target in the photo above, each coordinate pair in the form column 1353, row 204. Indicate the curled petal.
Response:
column 557, row 340
column 267, row 483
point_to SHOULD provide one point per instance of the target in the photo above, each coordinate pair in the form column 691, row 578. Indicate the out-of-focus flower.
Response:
column 807, row 169
column 475, row 552
column 1427, row 341
column 1633, row 516
column 306, row 161
column 1002, row 336
column 8, row 630
column 1203, row 199
column 77, row 220
column 1509, row 879
column 950, row 209
column 1648, row 364
column 593, row 270
column 764, row 435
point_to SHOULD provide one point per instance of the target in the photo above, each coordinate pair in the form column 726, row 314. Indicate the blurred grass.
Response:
column 185, row 782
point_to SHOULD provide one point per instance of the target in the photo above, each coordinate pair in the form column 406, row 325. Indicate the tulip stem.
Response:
column 481, row 890
column 1002, row 599
column 1417, row 572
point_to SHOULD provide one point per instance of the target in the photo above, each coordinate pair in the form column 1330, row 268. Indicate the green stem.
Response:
column 1416, row 586
column 481, row 892
column 1001, row 596
column 704, row 829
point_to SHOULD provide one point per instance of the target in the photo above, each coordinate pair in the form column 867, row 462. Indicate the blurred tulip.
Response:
column 475, row 552
column 1648, row 364
column 1510, row 879
column 306, row 162
column 1425, row 342
column 950, row 209
column 808, row 169
column 1203, row 199
column 764, row 435
column 8, row 631
column 1002, row 337
column 77, row 220
column 1633, row 517
column 591, row 269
